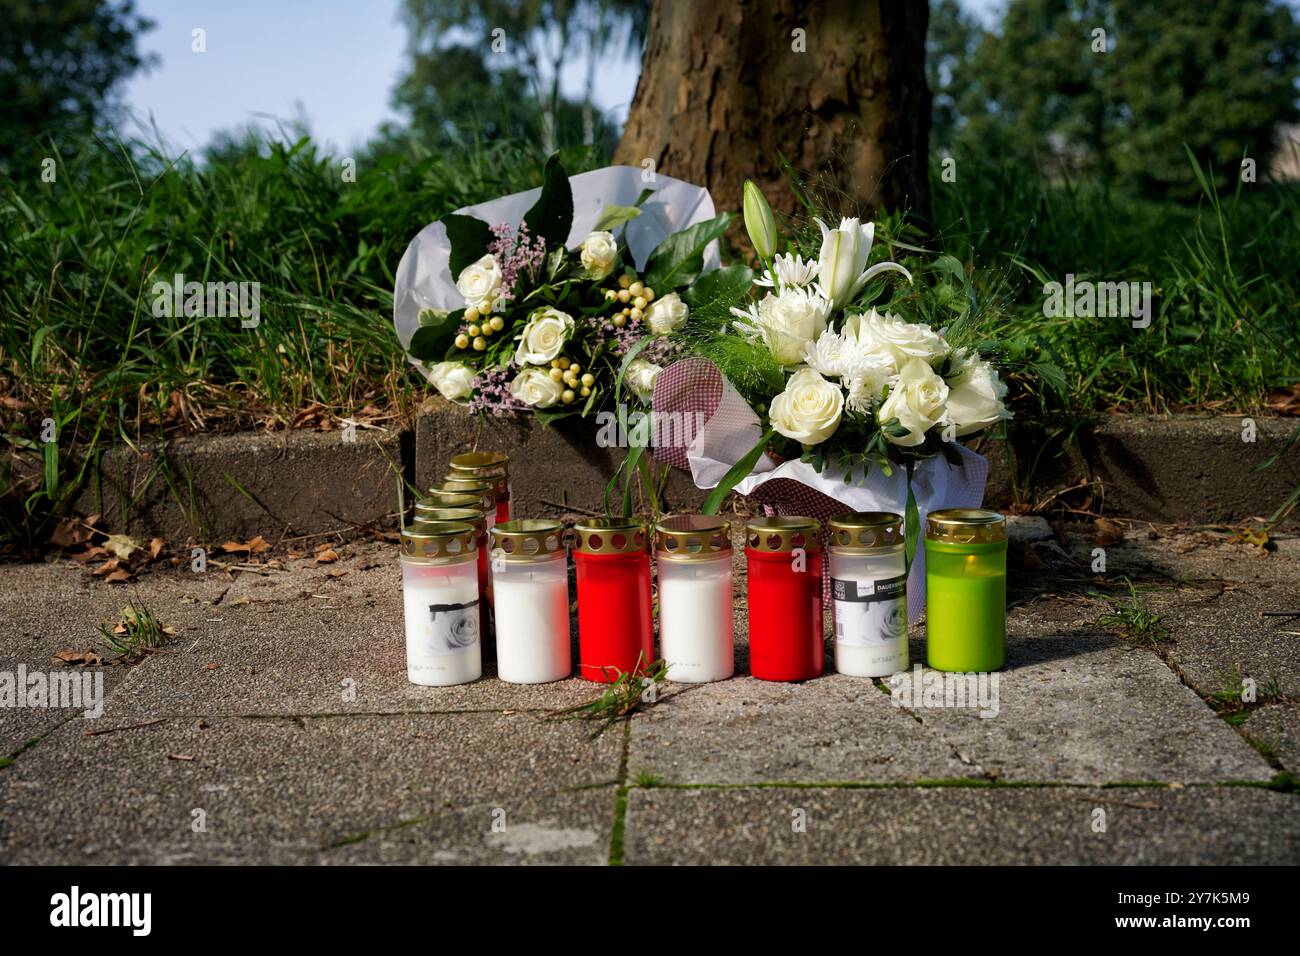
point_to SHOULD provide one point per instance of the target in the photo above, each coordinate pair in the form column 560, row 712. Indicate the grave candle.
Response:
column 490, row 466
column 472, row 486
column 615, row 628
column 965, row 590
column 440, row 599
column 784, row 560
column 530, row 578
column 475, row 517
column 868, row 593
column 696, row 633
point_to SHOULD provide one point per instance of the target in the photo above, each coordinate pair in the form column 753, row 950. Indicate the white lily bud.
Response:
column 759, row 221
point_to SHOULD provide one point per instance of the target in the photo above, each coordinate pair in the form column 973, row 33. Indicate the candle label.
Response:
column 869, row 613
column 453, row 627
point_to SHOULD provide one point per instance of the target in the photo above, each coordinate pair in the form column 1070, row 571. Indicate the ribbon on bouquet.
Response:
column 702, row 424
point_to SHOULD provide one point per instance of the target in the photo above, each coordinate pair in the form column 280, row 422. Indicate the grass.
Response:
column 1134, row 619
column 138, row 633
column 629, row 693
column 81, row 346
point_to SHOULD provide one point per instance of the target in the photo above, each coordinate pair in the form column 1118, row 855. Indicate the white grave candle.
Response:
column 696, row 626
column 868, row 596
column 530, row 589
column 440, row 597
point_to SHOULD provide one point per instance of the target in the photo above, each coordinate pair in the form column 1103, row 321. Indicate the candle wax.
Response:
column 532, row 626
column 696, row 629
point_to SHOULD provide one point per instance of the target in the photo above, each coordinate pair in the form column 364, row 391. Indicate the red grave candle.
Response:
column 784, row 561
column 615, row 627
column 489, row 466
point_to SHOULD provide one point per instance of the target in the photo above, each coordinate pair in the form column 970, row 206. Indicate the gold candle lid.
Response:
column 612, row 536
column 490, row 464
column 860, row 531
column 480, row 496
column 527, row 539
column 425, row 508
column 965, row 526
column 692, row 537
column 470, row 516
column 439, row 539
column 781, row 533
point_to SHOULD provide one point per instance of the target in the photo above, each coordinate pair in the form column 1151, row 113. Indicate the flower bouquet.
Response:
column 836, row 406
column 534, row 302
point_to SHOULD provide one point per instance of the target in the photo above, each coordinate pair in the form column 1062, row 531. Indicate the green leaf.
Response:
column 738, row 472
column 611, row 217
column 911, row 520
column 730, row 283
column 678, row 260
column 552, row 214
column 469, row 241
column 429, row 343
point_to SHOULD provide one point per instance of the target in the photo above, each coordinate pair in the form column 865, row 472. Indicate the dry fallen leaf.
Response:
column 122, row 545
column 70, row 533
column 180, row 757
column 106, row 567
column 1106, row 532
column 155, row 548
column 255, row 546
column 336, row 572
column 213, row 666
column 328, row 556
column 119, row 576
column 239, row 601
column 76, row 659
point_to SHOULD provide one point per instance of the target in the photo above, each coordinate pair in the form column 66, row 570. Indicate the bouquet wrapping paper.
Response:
column 424, row 279
column 712, row 427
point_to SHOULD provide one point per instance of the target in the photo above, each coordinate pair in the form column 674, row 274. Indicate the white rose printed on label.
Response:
column 870, row 613
column 452, row 628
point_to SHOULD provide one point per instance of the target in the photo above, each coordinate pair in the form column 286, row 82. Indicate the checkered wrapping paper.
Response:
column 713, row 427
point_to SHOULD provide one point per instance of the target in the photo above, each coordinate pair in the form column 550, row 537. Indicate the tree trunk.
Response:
column 725, row 88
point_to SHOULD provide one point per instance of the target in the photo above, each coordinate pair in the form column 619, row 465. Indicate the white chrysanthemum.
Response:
column 790, row 271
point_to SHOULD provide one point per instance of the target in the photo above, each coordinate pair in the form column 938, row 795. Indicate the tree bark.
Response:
column 725, row 92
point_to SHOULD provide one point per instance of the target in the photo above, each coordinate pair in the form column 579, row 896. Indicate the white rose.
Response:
column 889, row 338
column 480, row 282
column 535, row 387
column 640, row 377
column 975, row 397
column 665, row 315
column 454, row 380
column 543, row 337
column 787, row 321
column 917, row 400
column 599, row 254
column 809, row 409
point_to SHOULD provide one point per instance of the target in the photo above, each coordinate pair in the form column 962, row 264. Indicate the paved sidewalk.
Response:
column 278, row 726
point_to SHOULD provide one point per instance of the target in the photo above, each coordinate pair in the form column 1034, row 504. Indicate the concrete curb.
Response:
column 210, row 488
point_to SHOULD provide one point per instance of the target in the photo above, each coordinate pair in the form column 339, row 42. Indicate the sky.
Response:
column 334, row 62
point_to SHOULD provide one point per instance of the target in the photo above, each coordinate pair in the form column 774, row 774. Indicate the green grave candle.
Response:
column 965, row 589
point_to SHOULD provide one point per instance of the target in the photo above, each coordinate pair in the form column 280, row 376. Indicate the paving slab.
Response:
column 964, row 826
column 301, row 642
column 57, row 606
column 834, row 728
column 285, row 790
column 1085, row 708
column 1276, row 728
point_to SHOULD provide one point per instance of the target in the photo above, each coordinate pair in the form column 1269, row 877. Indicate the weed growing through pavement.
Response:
column 1237, row 696
column 1134, row 619
column 625, row 696
column 138, row 633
